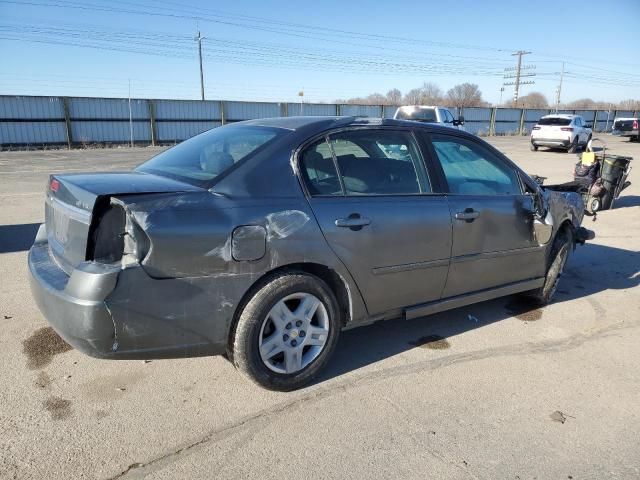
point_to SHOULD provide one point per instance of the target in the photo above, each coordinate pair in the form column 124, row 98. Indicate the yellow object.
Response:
column 588, row 158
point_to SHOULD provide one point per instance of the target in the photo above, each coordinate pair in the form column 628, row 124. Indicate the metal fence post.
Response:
column 337, row 109
column 222, row 119
column 492, row 121
column 521, row 130
column 67, row 121
column 152, row 121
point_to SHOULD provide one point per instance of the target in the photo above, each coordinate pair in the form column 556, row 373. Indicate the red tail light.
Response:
column 536, row 128
column 635, row 125
column 567, row 129
column 54, row 185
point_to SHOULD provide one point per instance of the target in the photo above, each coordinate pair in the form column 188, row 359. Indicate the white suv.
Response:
column 421, row 113
column 569, row 132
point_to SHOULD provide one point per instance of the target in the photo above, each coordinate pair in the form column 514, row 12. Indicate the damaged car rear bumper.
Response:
column 107, row 312
column 74, row 305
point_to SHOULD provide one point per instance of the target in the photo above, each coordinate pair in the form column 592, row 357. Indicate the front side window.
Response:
column 202, row 158
column 471, row 169
column 448, row 117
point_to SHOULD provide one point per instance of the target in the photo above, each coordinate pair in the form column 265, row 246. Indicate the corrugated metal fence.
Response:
column 42, row 121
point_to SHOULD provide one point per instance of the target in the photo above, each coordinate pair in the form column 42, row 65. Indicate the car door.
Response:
column 370, row 192
column 493, row 239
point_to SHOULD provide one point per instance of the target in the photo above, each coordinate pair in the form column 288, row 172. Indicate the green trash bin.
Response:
column 613, row 174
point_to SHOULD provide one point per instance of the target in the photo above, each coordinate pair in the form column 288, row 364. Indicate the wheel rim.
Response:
column 294, row 333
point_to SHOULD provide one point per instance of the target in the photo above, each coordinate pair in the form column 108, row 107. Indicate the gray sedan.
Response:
column 262, row 240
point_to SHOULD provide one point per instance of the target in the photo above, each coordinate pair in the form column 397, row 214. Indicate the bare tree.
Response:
column 431, row 94
column 413, row 97
column 585, row 103
column 394, row 97
column 465, row 95
column 376, row 99
column 533, row 100
column 629, row 104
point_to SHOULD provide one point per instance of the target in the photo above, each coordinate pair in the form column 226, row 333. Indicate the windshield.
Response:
column 421, row 115
column 558, row 121
column 201, row 159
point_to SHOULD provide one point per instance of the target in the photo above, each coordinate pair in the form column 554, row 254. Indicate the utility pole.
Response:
column 199, row 39
column 559, row 90
column 518, row 75
column 301, row 95
column 501, row 90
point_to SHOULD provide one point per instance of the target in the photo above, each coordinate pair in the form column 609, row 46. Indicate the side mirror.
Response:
column 588, row 125
column 459, row 121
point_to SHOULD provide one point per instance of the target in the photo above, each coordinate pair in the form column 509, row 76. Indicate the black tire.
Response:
column 534, row 148
column 558, row 256
column 573, row 148
column 244, row 350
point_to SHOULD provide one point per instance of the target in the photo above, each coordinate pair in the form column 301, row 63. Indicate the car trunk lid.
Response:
column 71, row 199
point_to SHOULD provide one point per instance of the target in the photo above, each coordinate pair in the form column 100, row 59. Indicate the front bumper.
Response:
column 550, row 142
column 74, row 305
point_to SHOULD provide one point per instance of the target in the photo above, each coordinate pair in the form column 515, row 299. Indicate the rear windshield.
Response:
column 421, row 115
column 201, row 159
column 559, row 121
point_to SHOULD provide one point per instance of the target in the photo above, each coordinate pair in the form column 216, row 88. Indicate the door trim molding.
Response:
column 410, row 266
column 497, row 254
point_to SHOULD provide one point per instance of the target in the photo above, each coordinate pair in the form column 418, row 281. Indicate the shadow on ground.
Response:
column 625, row 201
column 592, row 269
column 17, row 238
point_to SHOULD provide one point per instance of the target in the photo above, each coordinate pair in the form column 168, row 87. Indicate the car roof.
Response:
column 415, row 107
column 560, row 115
column 328, row 122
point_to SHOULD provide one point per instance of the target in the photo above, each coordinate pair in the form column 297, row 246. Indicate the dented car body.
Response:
column 163, row 261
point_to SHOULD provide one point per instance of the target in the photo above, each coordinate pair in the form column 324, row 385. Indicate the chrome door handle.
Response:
column 352, row 222
column 469, row 215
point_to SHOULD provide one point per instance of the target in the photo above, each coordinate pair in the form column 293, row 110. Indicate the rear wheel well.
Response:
column 329, row 276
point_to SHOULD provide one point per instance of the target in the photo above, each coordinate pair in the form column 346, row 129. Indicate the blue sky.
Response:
column 270, row 50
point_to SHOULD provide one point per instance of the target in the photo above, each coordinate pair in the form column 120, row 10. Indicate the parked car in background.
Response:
column 569, row 132
column 263, row 239
column 437, row 115
column 627, row 127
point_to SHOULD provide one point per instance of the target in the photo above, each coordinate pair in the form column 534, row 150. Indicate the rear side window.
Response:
column 379, row 162
column 471, row 169
column 318, row 170
column 555, row 121
column 370, row 162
